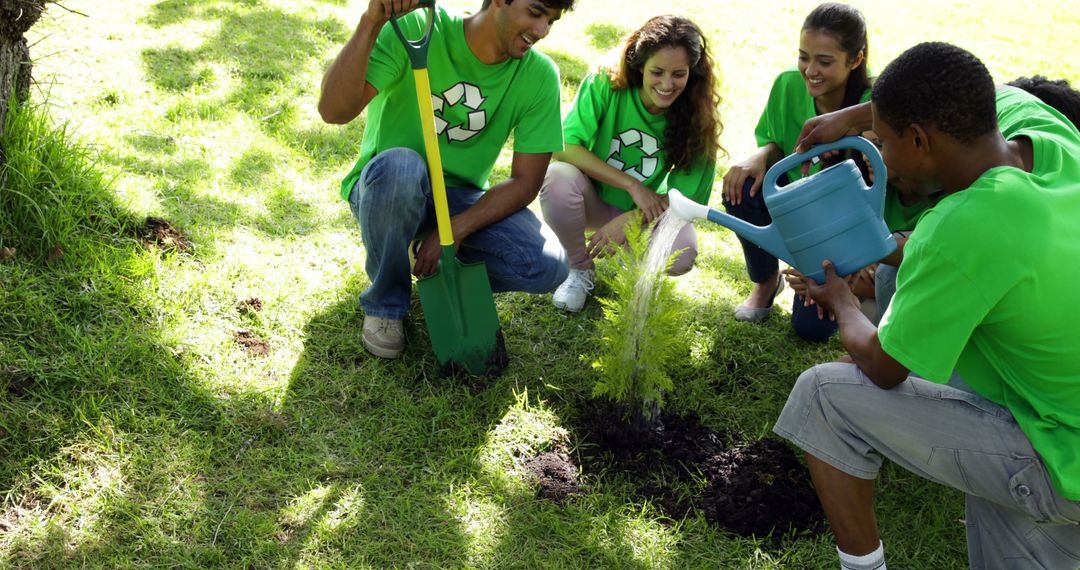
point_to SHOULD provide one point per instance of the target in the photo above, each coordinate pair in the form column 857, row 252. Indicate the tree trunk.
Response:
column 16, row 16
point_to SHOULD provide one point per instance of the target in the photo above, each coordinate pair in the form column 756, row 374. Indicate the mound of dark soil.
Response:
column 555, row 473
column 760, row 488
column 249, row 306
column 753, row 489
column 161, row 234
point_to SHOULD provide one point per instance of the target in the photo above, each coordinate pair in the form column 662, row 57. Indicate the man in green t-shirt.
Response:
column 983, row 295
column 486, row 84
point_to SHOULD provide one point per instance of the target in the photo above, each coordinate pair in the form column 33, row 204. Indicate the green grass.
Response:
column 134, row 431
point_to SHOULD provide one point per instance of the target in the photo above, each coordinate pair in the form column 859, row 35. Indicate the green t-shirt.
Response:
column 477, row 106
column 986, row 284
column 788, row 108
column 614, row 125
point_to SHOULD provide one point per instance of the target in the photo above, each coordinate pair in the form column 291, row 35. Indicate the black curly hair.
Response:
column 564, row 5
column 1054, row 92
column 939, row 84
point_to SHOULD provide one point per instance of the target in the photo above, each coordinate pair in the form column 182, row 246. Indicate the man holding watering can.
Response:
column 982, row 303
column 485, row 83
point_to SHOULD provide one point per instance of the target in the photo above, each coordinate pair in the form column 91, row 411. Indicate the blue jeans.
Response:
column 760, row 264
column 394, row 205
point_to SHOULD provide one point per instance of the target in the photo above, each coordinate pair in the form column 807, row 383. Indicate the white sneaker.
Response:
column 570, row 296
column 384, row 338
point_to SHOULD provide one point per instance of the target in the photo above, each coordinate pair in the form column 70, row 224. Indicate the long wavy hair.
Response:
column 693, row 120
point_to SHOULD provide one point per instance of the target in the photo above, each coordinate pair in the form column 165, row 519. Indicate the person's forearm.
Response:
column 592, row 166
column 344, row 86
column 499, row 201
column 859, row 337
column 773, row 153
column 859, row 118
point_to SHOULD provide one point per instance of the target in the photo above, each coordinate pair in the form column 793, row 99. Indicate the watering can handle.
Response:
column 768, row 187
column 417, row 49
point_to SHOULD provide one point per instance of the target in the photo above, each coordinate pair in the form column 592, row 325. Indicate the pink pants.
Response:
column 571, row 205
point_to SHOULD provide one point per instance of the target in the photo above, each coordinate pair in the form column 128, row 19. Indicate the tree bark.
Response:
column 16, row 16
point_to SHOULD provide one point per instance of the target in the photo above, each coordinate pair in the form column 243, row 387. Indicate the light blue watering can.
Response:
column 831, row 215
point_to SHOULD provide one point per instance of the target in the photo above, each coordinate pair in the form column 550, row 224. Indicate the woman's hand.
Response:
column 610, row 236
column 650, row 203
column 735, row 178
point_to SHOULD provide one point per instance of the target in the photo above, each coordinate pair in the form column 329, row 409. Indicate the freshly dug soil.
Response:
column 753, row 489
column 760, row 488
column 249, row 306
column 161, row 234
column 555, row 474
column 251, row 343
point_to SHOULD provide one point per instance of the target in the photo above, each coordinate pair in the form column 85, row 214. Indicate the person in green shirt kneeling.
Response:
column 645, row 126
column 486, row 84
column 984, row 296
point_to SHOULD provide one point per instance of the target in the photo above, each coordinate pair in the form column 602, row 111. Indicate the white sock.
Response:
column 873, row 561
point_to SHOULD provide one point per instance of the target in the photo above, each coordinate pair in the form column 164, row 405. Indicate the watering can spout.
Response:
column 766, row 238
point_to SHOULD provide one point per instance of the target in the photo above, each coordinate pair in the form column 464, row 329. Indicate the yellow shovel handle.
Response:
column 434, row 159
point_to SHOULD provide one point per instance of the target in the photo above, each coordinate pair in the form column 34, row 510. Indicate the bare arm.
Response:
column 345, row 90
column 754, row 167
column 526, row 174
column 825, row 128
column 517, row 192
column 857, row 333
column 592, row 166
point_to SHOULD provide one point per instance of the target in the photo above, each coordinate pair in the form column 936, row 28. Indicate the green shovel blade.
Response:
column 461, row 319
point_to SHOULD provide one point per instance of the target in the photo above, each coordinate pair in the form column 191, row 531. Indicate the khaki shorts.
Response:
column 1015, row 518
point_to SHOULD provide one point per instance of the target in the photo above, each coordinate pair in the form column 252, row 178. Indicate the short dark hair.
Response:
column 564, row 5
column 938, row 84
column 1054, row 92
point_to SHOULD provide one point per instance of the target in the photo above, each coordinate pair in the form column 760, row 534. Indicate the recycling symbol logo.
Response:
column 634, row 153
column 465, row 127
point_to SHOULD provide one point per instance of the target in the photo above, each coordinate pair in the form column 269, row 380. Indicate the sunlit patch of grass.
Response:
column 160, row 442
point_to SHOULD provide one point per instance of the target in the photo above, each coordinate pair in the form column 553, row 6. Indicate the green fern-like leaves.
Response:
column 639, row 338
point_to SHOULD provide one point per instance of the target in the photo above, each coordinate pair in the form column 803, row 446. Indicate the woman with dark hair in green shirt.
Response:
column 831, row 75
column 648, row 124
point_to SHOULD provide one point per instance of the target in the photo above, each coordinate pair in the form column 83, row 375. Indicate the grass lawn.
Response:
column 136, row 430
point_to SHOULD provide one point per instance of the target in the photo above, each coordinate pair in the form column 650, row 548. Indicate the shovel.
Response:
column 459, row 307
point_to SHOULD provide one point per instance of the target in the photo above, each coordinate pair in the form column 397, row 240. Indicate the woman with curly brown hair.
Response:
column 644, row 126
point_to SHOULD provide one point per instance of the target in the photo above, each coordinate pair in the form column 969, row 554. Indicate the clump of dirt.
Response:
column 162, row 234
column 752, row 489
column 18, row 382
column 251, row 343
column 760, row 488
column 638, row 445
column 249, row 306
column 55, row 254
column 555, row 473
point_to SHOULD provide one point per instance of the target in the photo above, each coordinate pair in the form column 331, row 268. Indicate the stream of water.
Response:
column 663, row 237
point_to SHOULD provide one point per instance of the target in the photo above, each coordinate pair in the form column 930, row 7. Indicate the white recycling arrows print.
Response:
column 472, row 98
column 648, row 146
